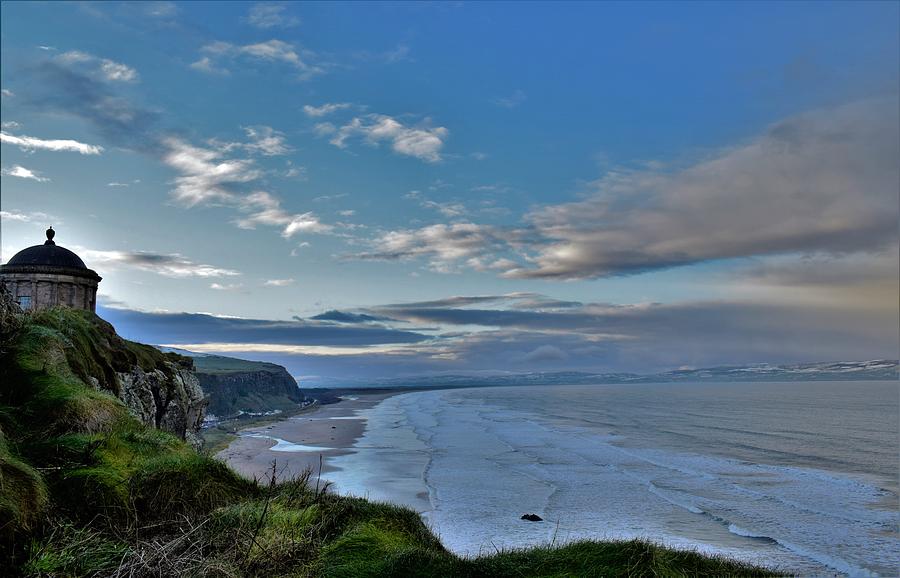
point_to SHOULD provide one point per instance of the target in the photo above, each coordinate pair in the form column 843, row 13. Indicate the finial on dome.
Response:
column 50, row 234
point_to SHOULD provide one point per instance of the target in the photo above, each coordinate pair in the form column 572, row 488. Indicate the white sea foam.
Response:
column 286, row 446
column 485, row 457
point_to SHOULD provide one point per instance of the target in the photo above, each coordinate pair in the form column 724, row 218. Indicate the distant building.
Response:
column 49, row 275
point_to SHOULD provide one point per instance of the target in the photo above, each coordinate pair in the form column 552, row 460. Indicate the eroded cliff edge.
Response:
column 236, row 386
column 159, row 389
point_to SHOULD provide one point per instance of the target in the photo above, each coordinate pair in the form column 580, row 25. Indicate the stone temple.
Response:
column 48, row 276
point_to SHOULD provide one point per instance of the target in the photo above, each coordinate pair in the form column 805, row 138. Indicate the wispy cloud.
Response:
column 267, row 15
column 401, row 52
column 266, row 141
column 347, row 317
column 22, row 173
column 68, row 90
column 206, row 64
column 451, row 210
column 821, row 182
column 513, row 100
column 165, row 264
column 422, row 142
column 278, row 282
column 445, row 246
column 264, row 209
column 108, row 69
column 118, row 184
column 226, row 286
column 161, row 9
column 277, row 51
column 207, row 177
column 325, row 109
column 204, row 174
column 29, row 143
column 533, row 332
column 25, row 217
column 200, row 328
column 263, row 140
column 6, row 93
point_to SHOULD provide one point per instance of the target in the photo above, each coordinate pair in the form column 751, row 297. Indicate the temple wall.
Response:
column 50, row 290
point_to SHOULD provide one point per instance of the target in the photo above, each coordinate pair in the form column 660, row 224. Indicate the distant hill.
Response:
column 879, row 369
column 239, row 386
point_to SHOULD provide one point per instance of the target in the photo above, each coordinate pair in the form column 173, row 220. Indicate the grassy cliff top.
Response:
column 218, row 364
column 87, row 490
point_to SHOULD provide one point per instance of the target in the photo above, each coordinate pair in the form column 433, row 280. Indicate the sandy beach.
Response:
column 296, row 443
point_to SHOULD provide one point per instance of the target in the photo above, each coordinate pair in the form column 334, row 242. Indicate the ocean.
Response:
column 801, row 476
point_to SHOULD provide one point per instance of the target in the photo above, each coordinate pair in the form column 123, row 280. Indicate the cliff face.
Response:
column 170, row 400
column 236, row 385
column 159, row 389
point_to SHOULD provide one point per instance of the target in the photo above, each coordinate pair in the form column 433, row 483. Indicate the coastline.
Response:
column 328, row 431
column 690, row 497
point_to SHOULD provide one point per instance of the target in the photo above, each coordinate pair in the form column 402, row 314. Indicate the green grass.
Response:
column 218, row 364
column 87, row 490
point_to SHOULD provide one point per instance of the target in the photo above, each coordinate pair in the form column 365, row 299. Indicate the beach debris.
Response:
column 532, row 518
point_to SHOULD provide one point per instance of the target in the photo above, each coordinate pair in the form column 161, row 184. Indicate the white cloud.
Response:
column 447, row 209
column 10, row 124
column 167, row 265
column 118, row 184
column 206, row 65
column 22, row 173
column 206, row 177
column 7, row 93
column 271, row 15
column 117, row 71
column 295, row 172
column 108, row 69
column 270, row 51
column 443, row 245
column 266, row 141
column 423, row 142
column 278, row 282
column 24, row 217
column 824, row 182
column 325, row 109
column 29, row 143
column 160, row 9
column 226, row 286
column 347, row 213
column 264, row 209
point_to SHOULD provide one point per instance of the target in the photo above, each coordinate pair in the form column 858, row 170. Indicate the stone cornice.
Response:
column 50, row 270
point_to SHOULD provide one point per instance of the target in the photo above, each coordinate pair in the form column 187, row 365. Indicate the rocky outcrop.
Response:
column 63, row 344
column 258, row 387
column 170, row 400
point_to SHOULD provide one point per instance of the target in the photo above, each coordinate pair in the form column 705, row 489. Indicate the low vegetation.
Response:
column 87, row 490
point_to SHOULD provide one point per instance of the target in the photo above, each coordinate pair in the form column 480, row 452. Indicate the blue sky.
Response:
column 705, row 183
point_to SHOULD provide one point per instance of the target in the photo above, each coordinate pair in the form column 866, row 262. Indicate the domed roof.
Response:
column 47, row 255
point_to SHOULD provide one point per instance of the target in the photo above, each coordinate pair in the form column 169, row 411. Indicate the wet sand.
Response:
column 296, row 443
